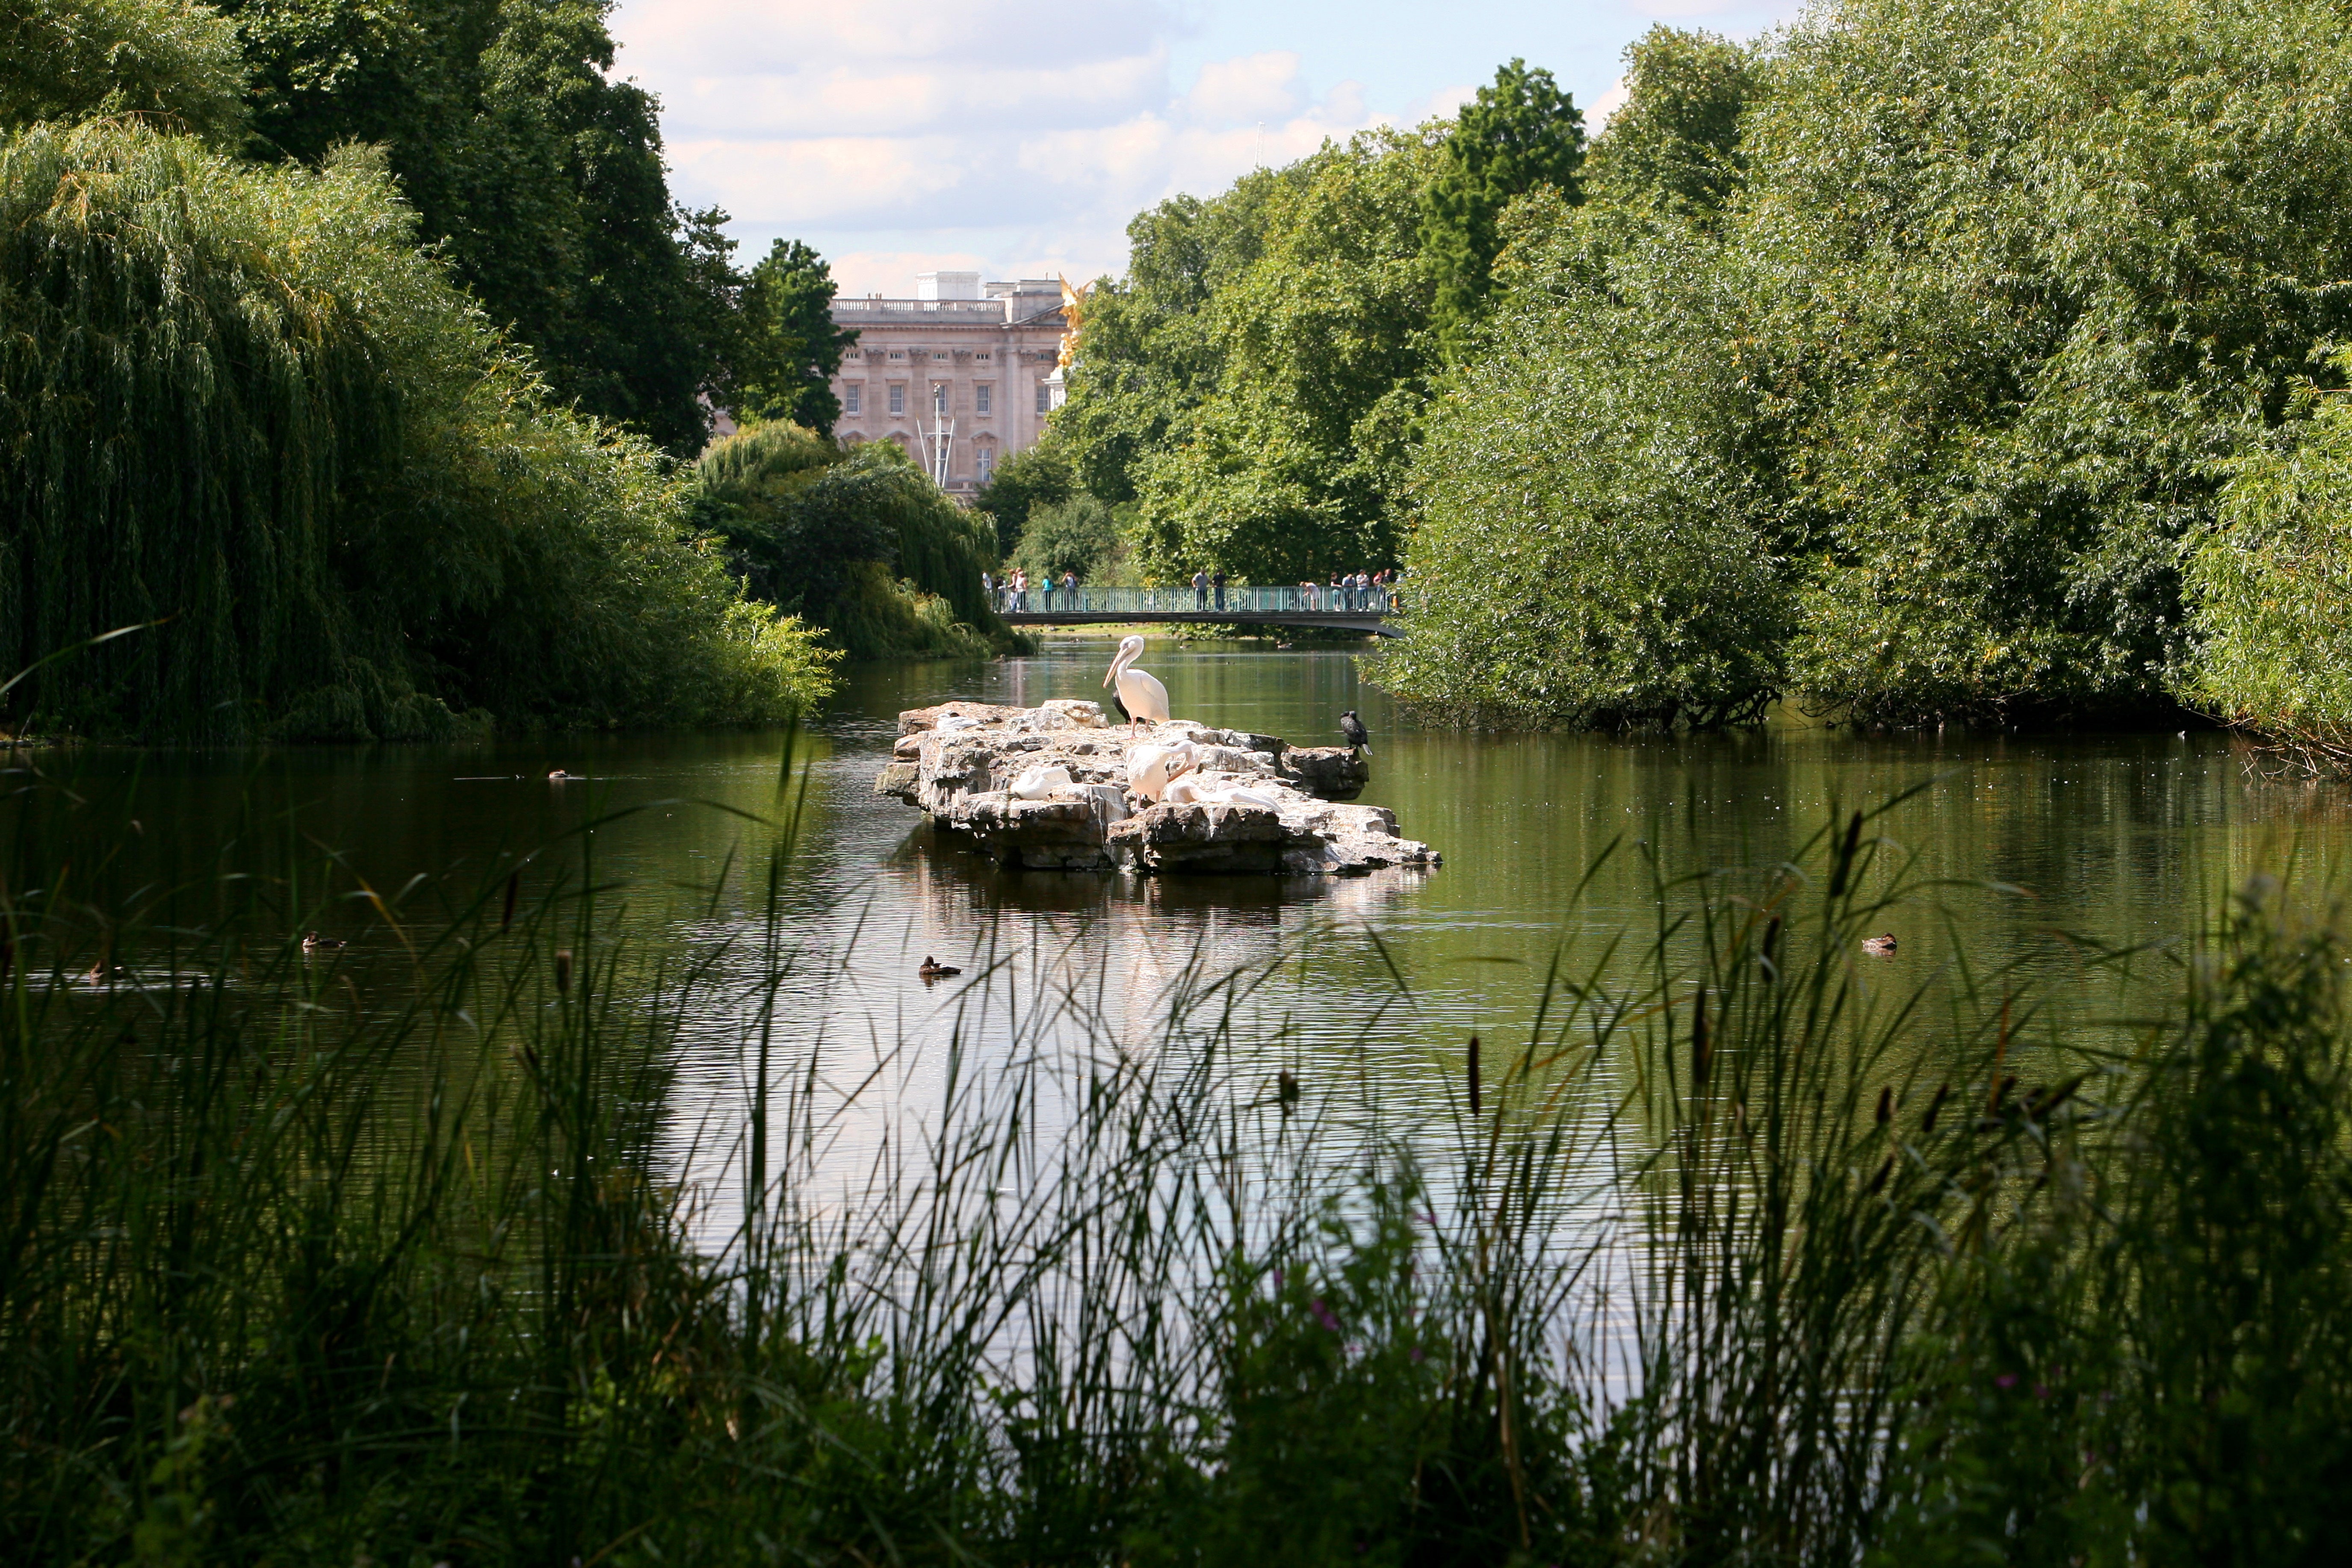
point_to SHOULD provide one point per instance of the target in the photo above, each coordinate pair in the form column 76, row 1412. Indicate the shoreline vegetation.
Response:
column 1927, row 361
column 359, row 365
column 1742, row 1244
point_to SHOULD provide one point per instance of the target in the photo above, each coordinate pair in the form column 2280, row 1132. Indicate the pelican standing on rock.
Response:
column 1149, row 768
column 1140, row 697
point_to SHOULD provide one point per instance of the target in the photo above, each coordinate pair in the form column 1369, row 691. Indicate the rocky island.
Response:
column 1060, row 787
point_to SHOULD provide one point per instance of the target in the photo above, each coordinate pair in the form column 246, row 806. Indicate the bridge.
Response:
column 1325, row 608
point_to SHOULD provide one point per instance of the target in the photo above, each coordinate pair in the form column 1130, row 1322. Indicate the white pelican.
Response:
column 1150, row 767
column 1192, row 792
column 1038, row 782
column 1140, row 696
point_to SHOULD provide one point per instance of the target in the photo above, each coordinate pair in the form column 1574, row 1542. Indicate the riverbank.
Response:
column 460, row 1307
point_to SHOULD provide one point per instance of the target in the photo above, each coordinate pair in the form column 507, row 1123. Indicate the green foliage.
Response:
column 2269, row 592
column 1292, row 463
column 538, row 172
column 2150, row 1365
column 1997, row 312
column 1037, row 476
column 788, row 349
column 1518, row 135
column 1595, row 552
column 78, row 59
column 243, row 408
column 1078, row 535
column 1150, row 353
column 1749, row 1253
column 828, row 537
column 1676, row 142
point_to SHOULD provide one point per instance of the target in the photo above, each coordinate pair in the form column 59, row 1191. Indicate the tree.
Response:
column 341, row 506
column 1078, row 535
column 1150, row 353
column 2269, row 590
column 1676, row 142
column 861, row 543
column 2003, row 286
column 78, row 59
column 788, row 349
column 537, row 172
column 1594, row 548
column 1037, row 476
column 1518, row 134
column 1292, row 461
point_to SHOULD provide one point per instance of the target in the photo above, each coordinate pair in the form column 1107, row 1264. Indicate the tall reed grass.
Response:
column 1744, row 1250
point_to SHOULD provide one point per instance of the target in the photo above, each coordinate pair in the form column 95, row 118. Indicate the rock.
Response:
column 959, row 761
column 1193, row 837
column 1335, row 772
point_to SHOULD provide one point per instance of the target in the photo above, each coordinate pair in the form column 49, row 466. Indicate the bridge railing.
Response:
column 1185, row 600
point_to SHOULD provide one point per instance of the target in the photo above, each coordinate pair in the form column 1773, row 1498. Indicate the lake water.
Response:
column 2123, row 839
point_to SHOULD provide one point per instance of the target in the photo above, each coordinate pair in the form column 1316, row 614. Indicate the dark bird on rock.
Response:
column 1359, row 738
column 932, row 969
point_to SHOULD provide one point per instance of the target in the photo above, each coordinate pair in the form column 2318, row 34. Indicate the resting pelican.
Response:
column 1148, row 768
column 1140, row 696
column 1037, row 782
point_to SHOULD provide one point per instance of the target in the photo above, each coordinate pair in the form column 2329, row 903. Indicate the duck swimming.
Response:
column 314, row 942
column 1883, row 946
column 932, row 969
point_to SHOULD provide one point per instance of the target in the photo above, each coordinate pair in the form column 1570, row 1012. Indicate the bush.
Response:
column 2270, row 591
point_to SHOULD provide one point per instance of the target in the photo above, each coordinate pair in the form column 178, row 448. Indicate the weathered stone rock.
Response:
column 963, row 762
column 1201, row 838
column 1334, row 773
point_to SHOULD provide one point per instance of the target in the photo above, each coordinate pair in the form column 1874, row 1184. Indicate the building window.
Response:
column 899, row 397
column 984, row 398
column 987, row 463
column 853, row 398
column 981, row 358
column 898, row 354
column 1045, row 398
column 938, row 354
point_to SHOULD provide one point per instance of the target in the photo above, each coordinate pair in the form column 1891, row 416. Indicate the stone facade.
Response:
column 993, row 353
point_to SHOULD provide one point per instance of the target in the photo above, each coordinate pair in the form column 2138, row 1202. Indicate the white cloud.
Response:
column 904, row 141
column 1604, row 108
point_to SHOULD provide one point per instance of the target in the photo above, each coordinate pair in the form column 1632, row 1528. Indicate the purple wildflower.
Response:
column 1323, row 1314
column 2006, row 1380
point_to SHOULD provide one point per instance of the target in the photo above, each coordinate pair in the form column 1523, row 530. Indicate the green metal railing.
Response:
column 1184, row 599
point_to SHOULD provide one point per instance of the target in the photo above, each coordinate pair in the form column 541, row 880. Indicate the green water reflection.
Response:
column 2122, row 837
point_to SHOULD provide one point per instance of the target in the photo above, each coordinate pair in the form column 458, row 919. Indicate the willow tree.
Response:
column 242, row 410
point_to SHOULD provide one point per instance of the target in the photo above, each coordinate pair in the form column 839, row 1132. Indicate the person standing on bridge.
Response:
column 1070, row 592
column 1049, row 592
column 1200, row 590
column 1218, row 583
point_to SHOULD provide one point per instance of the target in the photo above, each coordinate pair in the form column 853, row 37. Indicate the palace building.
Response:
column 980, row 365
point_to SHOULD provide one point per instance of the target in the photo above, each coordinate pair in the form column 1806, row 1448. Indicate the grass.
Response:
column 1713, row 1262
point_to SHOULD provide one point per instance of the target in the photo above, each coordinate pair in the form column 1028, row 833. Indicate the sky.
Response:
column 1017, row 139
